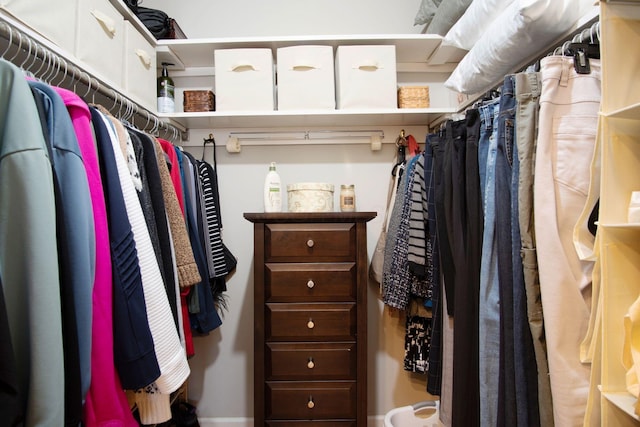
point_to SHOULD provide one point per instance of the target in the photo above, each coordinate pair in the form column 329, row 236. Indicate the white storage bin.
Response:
column 140, row 68
column 54, row 19
column 366, row 77
column 306, row 78
column 100, row 40
column 244, row 79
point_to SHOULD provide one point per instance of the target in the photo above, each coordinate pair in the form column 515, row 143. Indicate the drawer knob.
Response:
column 310, row 324
column 311, row 364
column 310, row 403
column 310, row 243
column 310, row 284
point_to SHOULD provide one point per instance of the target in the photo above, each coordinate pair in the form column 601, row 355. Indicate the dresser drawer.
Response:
column 311, row 361
column 310, row 322
column 310, row 282
column 311, row 400
column 333, row 242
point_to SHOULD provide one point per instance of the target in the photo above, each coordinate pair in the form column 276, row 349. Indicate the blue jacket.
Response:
column 76, row 246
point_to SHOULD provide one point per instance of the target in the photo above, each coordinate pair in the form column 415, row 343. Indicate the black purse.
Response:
column 132, row 4
column 156, row 21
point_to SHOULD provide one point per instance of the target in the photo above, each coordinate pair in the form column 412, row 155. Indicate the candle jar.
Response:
column 347, row 198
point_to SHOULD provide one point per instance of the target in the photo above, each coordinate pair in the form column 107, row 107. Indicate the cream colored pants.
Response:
column 569, row 106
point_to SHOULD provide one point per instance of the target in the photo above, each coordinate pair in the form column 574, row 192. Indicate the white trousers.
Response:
column 569, row 106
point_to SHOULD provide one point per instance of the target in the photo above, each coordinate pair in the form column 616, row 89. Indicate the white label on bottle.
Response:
column 166, row 105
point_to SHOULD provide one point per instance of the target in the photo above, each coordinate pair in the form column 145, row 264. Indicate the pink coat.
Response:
column 106, row 403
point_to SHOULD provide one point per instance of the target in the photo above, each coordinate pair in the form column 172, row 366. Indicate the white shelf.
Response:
column 416, row 54
column 185, row 53
column 621, row 226
column 262, row 119
column 630, row 112
column 623, row 400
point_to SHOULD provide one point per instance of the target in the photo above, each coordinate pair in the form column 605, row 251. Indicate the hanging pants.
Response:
column 569, row 106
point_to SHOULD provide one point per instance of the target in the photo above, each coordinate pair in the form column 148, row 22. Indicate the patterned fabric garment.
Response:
column 399, row 283
column 420, row 248
column 417, row 342
column 396, row 278
column 213, row 239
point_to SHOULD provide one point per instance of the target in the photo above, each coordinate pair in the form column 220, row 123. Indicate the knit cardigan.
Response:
column 184, row 257
column 188, row 273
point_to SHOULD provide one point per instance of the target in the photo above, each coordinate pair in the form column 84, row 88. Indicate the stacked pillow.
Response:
column 521, row 30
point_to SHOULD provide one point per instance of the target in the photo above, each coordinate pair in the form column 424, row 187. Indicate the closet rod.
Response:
column 328, row 136
column 40, row 61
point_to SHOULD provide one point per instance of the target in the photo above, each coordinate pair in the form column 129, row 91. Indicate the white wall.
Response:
column 240, row 18
column 221, row 383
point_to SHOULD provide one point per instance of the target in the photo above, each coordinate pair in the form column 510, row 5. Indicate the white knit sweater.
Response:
column 171, row 356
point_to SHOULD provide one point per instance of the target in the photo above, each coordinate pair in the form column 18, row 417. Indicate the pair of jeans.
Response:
column 445, row 309
column 489, row 298
column 569, row 107
column 465, row 399
column 434, row 375
column 528, row 86
column 517, row 399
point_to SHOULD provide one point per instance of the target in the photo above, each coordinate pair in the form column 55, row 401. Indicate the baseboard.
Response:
column 372, row 421
column 225, row 422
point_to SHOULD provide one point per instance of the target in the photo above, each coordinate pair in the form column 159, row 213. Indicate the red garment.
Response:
column 174, row 171
column 412, row 146
column 169, row 150
column 186, row 323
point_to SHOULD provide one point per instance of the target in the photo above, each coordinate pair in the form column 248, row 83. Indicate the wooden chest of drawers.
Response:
column 310, row 319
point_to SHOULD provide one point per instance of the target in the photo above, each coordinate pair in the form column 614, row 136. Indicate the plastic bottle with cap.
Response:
column 272, row 190
column 166, row 91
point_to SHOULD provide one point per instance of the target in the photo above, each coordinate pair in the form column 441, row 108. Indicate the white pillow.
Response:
column 525, row 28
column 472, row 25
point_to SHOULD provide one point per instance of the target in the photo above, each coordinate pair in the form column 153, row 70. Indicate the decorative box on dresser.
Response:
column 310, row 318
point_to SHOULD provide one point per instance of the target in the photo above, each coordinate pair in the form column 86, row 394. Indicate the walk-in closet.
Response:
column 321, row 213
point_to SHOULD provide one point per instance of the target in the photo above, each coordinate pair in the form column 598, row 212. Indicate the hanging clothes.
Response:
column 105, row 400
column 202, row 310
column 28, row 234
column 75, row 237
column 569, row 106
column 108, row 303
column 133, row 343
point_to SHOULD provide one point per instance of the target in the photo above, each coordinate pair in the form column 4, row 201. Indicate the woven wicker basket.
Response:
column 413, row 97
column 199, row 100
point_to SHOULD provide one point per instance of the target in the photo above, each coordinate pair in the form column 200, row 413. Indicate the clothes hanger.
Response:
column 9, row 44
column 583, row 51
column 401, row 154
column 206, row 141
column 66, row 70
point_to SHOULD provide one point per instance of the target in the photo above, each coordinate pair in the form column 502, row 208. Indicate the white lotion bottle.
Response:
column 272, row 190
